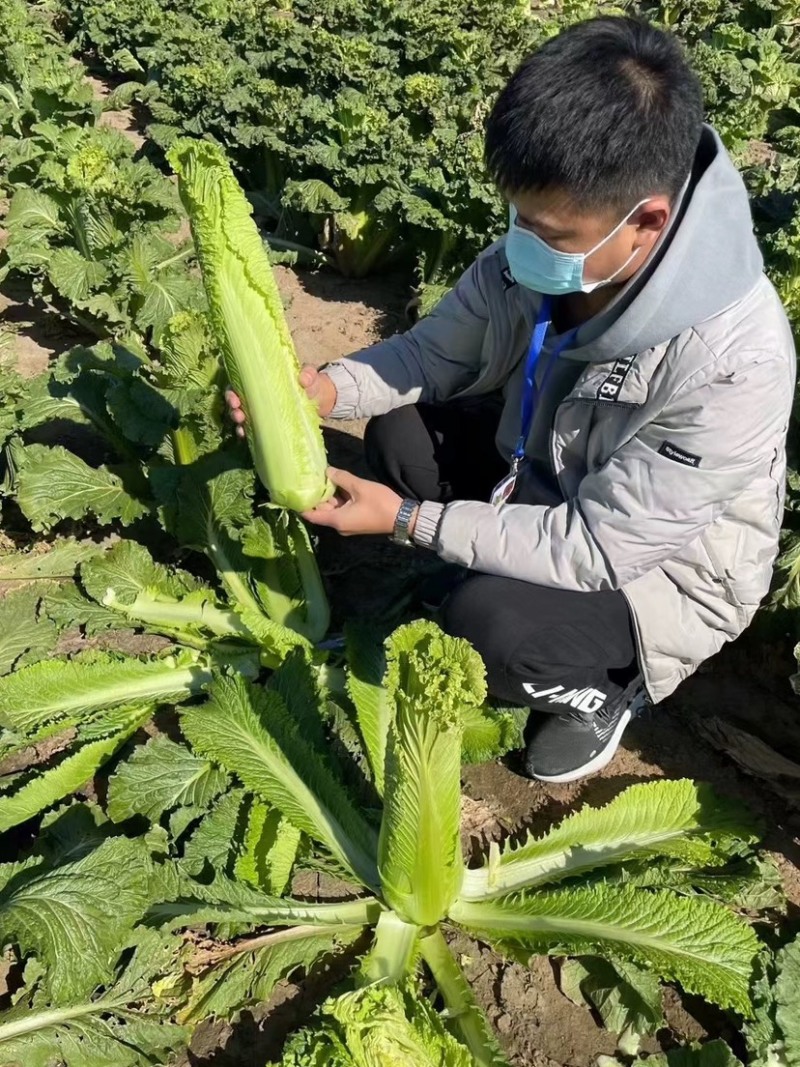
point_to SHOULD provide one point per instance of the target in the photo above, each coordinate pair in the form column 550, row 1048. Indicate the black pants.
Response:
column 554, row 649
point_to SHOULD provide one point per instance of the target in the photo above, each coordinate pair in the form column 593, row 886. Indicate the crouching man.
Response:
column 592, row 424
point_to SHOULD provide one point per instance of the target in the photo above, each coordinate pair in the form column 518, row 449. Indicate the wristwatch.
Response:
column 400, row 535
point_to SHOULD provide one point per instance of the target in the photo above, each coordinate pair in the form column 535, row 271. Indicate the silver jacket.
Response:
column 669, row 448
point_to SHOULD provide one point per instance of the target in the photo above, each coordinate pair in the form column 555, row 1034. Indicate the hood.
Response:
column 708, row 260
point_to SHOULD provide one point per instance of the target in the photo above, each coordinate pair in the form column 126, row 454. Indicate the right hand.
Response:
column 318, row 386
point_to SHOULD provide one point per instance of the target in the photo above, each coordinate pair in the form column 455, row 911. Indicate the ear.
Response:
column 652, row 217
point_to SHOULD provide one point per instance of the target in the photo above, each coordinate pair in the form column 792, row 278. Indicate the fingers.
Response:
column 238, row 417
column 308, row 376
column 235, row 411
column 326, row 514
column 311, row 381
column 344, row 480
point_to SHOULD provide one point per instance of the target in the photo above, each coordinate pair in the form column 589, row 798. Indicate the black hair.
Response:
column 609, row 110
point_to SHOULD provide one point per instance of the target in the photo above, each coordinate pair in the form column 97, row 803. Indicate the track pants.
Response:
column 553, row 649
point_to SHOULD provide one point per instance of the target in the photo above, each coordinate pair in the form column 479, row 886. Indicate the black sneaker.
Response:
column 564, row 748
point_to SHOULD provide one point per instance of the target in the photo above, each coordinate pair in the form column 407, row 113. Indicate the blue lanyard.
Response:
column 530, row 390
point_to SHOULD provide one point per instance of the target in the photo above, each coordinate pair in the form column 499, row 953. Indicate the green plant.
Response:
column 603, row 882
column 773, row 1037
column 246, row 313
column 355, row 127
column 390, row 1025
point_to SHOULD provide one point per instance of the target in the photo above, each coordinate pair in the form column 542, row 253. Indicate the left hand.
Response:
column 359, row 507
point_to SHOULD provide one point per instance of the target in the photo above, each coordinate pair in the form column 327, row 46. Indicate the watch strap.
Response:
column 405, row 514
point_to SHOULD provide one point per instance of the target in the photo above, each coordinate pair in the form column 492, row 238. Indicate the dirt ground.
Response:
column 330, row 316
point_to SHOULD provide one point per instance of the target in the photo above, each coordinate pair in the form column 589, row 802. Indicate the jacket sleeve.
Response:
column 429, row 363
column 653, row 496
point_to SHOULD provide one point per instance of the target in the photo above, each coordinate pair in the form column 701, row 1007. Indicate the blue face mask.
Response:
column 534, row 264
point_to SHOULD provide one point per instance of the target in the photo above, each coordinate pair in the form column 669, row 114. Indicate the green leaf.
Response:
column 490, row 732
column 72, row 831
column 752, row 883
column 711, row 1054
column 73, row 917
column 86, row 756
column 162, row 292
column 689, row 940
column 679, row 819
column 200, row 505
column 65, row 690
column 218, row 840
column 250, row 732
column 127, row 570
column 315, row 197
column 430, row 678
column 626, row 997
column 67, row 605
column 23, row 633
column 123, row 1026
column 33, row 211
column 160, row 777
column 366, row 666
column 186, row 351
column 761, row 1031
column 184, row 902
column 380, row 1024
column 74, row 276
column 240, row 975
column 787, row 1000
column 142, row 413
column 60, row 560
column 285, row 573
column 200, row 500
column 164, row 600
column 52, row 484
column 79, row 398
column 297, row 683
column 269, row 850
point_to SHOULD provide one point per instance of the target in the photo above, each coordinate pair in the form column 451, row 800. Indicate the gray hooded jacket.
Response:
column 667, row 439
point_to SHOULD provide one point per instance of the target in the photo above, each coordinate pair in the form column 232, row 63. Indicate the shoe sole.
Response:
column 598, row 762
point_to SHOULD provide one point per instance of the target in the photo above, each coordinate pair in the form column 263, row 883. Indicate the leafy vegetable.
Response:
column 63, row 690
column 627, row 997
column 161, row 777
column 250, row 732
column 665, row 818
column 86, row 747
column 391, row 1025
column 413, row 872
column 70, row 917
column 430, row 676
column 246, row 312
column 773, row 1036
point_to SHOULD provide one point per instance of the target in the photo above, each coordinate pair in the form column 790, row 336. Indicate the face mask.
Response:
column 534, row 264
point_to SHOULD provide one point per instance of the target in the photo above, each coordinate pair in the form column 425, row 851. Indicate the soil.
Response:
column 331, row 316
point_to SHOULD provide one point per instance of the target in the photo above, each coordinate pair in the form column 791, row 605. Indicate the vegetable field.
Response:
column 252, row 810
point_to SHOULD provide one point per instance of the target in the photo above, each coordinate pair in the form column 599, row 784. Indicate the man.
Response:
column 592, row 423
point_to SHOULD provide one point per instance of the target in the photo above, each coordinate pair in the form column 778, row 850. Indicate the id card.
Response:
column 504, row 489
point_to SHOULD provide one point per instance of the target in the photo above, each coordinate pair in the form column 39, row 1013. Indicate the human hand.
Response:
column 317, row 384
column 359, row 506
